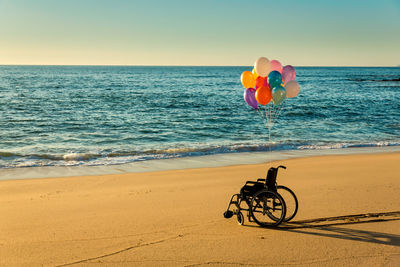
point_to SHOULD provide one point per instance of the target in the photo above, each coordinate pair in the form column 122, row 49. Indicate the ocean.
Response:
column 105, row 115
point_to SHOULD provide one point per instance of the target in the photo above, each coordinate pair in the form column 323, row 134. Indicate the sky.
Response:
column 186, row 32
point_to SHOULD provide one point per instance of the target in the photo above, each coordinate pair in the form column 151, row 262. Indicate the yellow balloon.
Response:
column 255, row 73
column 247, row 79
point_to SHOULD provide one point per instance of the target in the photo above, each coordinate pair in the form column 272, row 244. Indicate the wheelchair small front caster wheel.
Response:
column 228, row 214
column 240, row 218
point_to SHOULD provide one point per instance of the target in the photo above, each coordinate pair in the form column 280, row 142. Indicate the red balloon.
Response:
column 260, row 82
column 263, row 95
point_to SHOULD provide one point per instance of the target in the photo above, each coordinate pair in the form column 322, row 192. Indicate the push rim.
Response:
column 267, row 208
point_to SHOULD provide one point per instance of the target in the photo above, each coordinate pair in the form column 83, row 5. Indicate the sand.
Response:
column 174, row 218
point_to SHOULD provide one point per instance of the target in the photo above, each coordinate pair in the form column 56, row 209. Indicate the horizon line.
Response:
column 139, row 65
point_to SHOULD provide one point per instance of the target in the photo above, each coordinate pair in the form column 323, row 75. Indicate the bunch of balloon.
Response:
column 268, row 86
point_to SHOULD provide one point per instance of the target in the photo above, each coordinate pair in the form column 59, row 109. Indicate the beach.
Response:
column 349, row 212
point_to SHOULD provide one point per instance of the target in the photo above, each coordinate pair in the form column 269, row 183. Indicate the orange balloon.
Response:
column 248, row 80
column 254, row 73
column 260, row 82
column 263, row 95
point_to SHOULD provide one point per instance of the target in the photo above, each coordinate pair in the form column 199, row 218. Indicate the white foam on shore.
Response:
column 207, row 161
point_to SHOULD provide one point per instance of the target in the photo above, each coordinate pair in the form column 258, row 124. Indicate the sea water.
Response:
column 103, row 115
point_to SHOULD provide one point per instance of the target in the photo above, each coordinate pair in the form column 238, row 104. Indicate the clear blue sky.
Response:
column 170, row 32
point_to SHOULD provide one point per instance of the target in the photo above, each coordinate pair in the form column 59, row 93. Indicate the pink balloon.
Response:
column 276, row 65
column 288, row 73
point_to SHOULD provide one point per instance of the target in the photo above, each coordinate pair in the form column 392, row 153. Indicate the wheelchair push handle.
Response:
column 270, row 179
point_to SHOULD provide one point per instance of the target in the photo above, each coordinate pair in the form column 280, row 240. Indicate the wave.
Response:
column 350, row 145
column 15, row 160
column 66, row 157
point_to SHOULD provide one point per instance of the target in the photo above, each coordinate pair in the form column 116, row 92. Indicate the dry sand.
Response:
column 174, row 218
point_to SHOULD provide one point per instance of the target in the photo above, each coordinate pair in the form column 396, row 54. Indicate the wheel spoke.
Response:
column 267, row 208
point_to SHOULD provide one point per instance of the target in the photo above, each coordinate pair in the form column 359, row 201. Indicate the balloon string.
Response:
column 274, row 110
column 262, row 117
column 268, row 115
column 271, row 110
column 278, row 110
column 281, row 107
column 273, row 115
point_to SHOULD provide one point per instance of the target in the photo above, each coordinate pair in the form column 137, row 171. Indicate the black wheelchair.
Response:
column 268, row 204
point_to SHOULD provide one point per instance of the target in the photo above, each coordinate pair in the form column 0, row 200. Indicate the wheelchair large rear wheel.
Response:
column 292, row 205
column 267, row 208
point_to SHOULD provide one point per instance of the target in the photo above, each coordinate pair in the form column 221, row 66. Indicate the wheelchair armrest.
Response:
column 251, row 183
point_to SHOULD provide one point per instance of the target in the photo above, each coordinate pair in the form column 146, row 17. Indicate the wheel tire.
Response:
column 292, row 205
column 267, row 208
column 240, row 218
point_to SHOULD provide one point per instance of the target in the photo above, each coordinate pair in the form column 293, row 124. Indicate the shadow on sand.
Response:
column 328, row 227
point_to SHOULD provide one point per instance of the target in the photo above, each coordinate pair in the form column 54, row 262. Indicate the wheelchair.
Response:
column 266, row 203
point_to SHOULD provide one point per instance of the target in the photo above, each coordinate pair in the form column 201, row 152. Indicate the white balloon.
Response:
column 292, row 89
column 262, row 66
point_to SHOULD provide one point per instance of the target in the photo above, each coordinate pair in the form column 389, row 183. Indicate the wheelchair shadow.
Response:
column 343, row 220
column 328, row 227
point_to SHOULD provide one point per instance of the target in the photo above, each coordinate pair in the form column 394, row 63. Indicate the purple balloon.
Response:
column 288, row 73
column 249, row 96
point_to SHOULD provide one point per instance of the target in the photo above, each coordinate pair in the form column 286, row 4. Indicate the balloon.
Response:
column 274, row 79
column 263, row 95
column 292, row 89
column 248, row 80
column 249, row 96
column 278, row 95
column 288, row 73
column 262, row 66
column 276, row 65
column 254, row 73
column 260, row 82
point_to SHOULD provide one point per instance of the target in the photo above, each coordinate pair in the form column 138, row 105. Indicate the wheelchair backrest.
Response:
column 271, row 178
